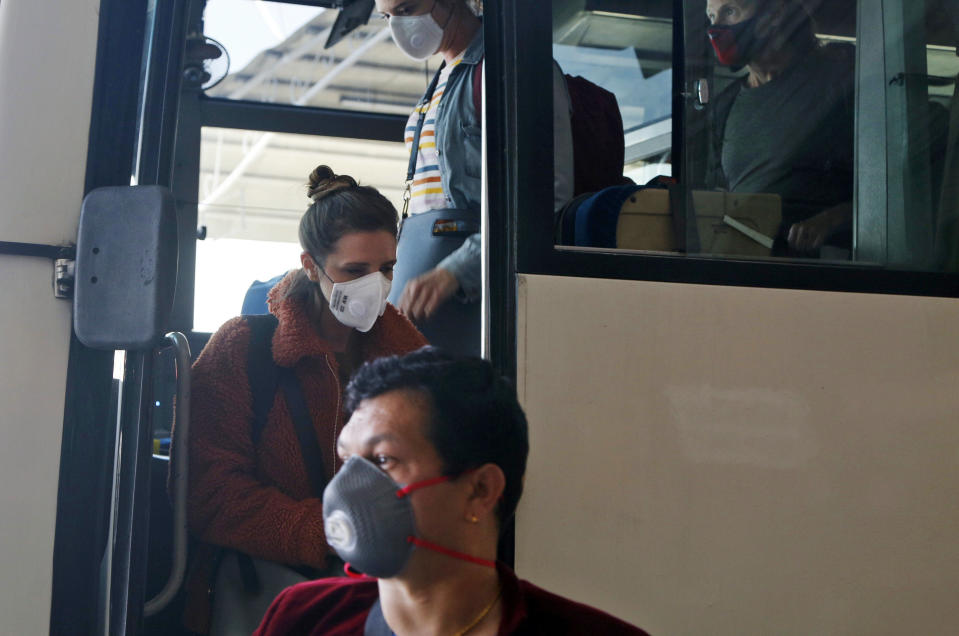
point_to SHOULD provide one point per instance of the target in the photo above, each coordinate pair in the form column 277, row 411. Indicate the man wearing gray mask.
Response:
column 435, row 452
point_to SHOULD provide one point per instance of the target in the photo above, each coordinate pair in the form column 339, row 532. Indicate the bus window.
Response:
column 808, row 132
column 629, row 54
column 921, row 109
column 252, row 195
column 278, row 54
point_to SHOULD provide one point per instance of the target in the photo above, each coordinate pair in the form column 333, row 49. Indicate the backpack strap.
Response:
column 265, row 378
column 305, row 433
column 261, row 370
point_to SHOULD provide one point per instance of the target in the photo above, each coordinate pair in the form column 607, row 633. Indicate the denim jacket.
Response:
column 459, row 136
column 458, row 145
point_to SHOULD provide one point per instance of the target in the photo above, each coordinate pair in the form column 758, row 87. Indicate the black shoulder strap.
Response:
column 261, row 370
column 376, row 623
column 305, row 433
column 265, row 377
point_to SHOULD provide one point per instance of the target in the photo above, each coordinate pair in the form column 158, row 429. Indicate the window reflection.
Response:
column 628, row 51
column 277, row 55
column 789, row 151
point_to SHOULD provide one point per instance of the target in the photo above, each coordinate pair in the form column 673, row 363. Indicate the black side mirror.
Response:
column 126, row 267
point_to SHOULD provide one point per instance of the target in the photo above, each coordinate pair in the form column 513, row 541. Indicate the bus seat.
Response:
column 646, row 218
column 254, row 302
column 590, row 220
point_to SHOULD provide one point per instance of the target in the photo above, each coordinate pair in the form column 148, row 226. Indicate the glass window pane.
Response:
column 629, row 54
column 277, row 55
column 788, row 151
column 769, row 110
column 624, row 48
column 252, row 195
column 921, row 99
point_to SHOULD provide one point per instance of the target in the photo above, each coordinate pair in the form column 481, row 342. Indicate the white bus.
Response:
column 725, row 438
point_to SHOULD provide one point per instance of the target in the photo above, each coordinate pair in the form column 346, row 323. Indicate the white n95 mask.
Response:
column 359, row 302
column 419, row 36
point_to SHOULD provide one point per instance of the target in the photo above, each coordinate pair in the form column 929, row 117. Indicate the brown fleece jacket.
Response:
column 258, row 500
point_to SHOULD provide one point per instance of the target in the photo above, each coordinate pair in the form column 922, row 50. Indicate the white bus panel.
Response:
column 47, row 56
column 727, row 461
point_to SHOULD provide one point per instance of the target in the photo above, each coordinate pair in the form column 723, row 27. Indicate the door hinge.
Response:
column 64, row 274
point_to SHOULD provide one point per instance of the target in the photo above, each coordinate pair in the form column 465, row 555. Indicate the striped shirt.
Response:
column 427, row 191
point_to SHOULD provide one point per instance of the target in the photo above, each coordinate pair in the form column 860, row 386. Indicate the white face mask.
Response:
column 419, row 36
column 358, row 303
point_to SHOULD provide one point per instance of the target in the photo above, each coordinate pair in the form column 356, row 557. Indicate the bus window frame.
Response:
column 525, row 226
column 197, row 111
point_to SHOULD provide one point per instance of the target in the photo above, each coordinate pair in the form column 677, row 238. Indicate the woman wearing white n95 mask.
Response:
column 438, row 281
column 254, row 490
column 441, row 291
column 421, row 28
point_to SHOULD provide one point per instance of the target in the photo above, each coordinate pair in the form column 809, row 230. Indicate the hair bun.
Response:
column 324, row 182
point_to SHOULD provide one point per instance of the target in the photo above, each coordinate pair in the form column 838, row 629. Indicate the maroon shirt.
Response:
column 339, row 607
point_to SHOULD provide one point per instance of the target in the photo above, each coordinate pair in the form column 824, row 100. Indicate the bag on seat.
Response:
column 238, row 608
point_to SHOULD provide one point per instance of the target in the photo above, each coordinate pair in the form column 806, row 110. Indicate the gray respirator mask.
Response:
column 369, row 520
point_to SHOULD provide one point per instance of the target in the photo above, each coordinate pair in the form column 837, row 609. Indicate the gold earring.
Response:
column 474, row 519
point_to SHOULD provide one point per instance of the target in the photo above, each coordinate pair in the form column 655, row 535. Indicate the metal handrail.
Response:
column 178, row 476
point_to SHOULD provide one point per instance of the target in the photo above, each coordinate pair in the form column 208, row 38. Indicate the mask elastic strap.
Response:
column 353, row 574
column 423, row 543
column 320, row 267
column 405, row 490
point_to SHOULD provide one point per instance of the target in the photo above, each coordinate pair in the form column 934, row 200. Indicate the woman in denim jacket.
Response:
column 449, row 163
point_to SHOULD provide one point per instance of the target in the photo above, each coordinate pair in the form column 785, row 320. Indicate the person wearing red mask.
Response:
column 786, row 127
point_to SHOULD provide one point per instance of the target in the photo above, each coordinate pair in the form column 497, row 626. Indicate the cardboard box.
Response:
column 646, row 223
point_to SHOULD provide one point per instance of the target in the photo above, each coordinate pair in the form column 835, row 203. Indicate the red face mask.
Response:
column 735, row 44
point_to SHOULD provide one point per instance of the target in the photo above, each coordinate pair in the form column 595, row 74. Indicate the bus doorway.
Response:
column 234, row 144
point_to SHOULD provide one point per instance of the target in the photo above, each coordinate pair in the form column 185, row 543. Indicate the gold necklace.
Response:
column 482, row 615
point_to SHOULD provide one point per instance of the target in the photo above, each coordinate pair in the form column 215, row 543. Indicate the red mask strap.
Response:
column 423, row 543
column 405, row 490
column 353, row 574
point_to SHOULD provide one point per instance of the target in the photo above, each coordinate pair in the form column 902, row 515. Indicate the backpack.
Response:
column 258, row 580
column 599, row 146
